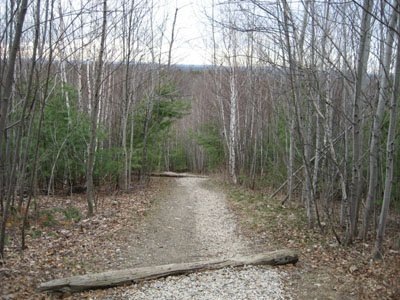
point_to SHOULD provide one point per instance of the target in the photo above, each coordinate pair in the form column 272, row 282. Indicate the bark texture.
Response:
column 120, row 277
column 94, row 114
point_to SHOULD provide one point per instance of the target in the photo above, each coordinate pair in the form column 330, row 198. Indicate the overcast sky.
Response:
column 191, row 31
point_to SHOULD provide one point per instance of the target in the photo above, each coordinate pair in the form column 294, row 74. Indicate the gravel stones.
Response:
column 249, row 282
column 215, row 225
column 194, row 223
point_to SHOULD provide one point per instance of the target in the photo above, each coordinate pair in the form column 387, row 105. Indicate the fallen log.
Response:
column 177, row 175
column 135, row 275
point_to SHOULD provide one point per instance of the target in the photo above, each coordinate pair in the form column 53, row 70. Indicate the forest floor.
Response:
column 181, row 220
column 326, row 269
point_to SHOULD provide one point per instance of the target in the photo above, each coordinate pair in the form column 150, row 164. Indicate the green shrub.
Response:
column 35, row 234
column 47, row 218
column 72, row 213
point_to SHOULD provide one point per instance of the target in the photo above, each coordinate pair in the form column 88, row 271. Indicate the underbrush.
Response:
column 348, row 272
column 61, row 241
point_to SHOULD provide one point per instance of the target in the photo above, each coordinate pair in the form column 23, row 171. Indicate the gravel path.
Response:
column 193, row 223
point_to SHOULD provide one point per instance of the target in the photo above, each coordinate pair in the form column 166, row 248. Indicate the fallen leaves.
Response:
column 61, row 245
column 337, row 272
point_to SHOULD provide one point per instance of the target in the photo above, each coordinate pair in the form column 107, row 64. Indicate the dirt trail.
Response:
column 191, row 222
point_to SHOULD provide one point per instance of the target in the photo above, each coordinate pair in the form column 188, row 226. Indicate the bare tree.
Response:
column 128, row 29
column 5, row 99
column 233, row 109
column 362, row 63
column 386, row 49
column 90, row 193
column 389, row 152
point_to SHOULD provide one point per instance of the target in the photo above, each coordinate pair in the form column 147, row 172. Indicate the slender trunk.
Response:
column 172, row 38
column 22, row 170
column 233, row 113
column 5, row 100
column 386, row 52
column 150, row 101
column 344, row 179
column 63, row 62
column 94, row 116
column 346, row 141
column 217, row 80
column 149, row 113
column 389, row 155
column 317, row 155
column 363, row 54
column 32, row 190
column 124, row 127
column 293, row 96
column 51, row 183
column 309, row 193
column 130, row 156
column 89, row 86
column 157, row 136
column 291, row 157
column 24, row 162
column 43, row 99
column 329, row 135
column 127, row 99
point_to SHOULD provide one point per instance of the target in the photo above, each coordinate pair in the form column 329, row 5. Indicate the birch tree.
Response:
column 233, row 108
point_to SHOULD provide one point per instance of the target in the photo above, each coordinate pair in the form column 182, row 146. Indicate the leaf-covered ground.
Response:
column 326, row 269
column 61, row 241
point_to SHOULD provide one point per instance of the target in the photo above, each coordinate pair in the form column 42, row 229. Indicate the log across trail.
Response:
column 177, row 175
column 135, row 275
column 190, row 229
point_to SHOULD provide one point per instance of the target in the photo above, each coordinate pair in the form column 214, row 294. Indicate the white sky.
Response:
column 190, row 31
column 193, row 30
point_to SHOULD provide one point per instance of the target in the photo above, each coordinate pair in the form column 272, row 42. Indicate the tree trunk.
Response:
column 386, row 54
column 5, row 99
column 233, row 110
column 129, row 276
column 217, row 72
column 44, row 96
column 363, row 54
column 127, row 96
column 291, row 157
column 94, row 115
column 131, row 144
column 389, row 154
column 22, row 169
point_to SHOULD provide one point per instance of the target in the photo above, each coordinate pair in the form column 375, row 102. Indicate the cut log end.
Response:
column 135, row 275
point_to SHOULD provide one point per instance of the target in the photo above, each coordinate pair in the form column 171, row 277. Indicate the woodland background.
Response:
column 300, row 97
